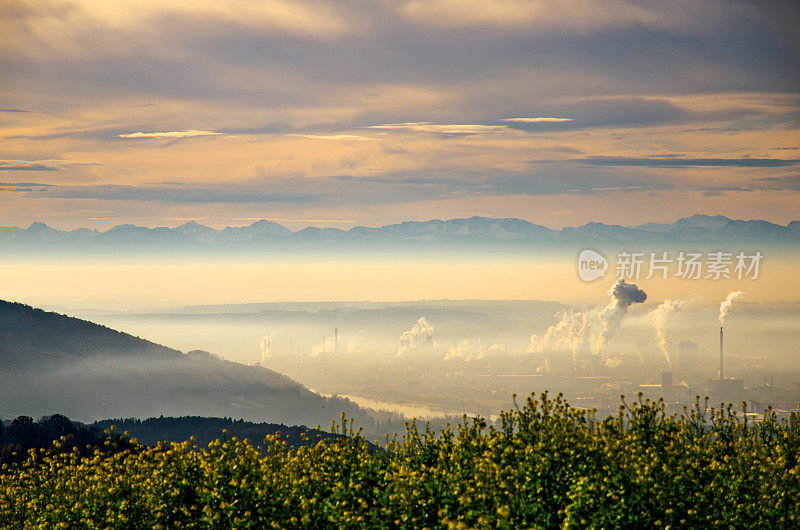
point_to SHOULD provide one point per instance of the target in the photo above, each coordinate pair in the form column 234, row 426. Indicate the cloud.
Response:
column 331, row 136
column 578, row 15
column 174, row 134
column 175, row 194
column 537, row 120
column 618, row 111
column 791, row 182
column 347, row 190
column 96, row 26
column 462, row 129
column 719, row 191
column 685, row 162
column 440, row 85
column 787, row 183
column 258, row 129
column 17, row 110
column 21, row 186
column 25, row 165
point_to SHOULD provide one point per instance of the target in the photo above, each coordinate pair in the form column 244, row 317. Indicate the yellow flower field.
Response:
column 547, row 465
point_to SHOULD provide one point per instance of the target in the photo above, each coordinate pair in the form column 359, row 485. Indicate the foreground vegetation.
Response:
column 546, row 465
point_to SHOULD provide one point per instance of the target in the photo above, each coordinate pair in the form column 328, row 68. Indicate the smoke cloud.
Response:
column 470, row 351
column 572, row 329
column 594, row 326
column 660, row 316
column 727, row 304
column 623, row 296
column 420, row 335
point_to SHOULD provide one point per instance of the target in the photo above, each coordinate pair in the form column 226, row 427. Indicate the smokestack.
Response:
column 667, row 390
column 720, row 354
column 335, row 340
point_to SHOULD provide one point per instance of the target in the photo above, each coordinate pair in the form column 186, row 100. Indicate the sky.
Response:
column 161, row 282
column 342, row 113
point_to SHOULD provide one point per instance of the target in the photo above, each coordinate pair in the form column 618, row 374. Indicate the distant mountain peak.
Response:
column 194, row 226
column 38, row 226
column 703, row 221
column 264, row 223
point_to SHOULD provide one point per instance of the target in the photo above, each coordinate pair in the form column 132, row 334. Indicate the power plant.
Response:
column 570, row 355
column 725, row 389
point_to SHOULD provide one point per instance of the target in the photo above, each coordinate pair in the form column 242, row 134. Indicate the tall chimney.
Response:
column 720, row 354
column 335, row 340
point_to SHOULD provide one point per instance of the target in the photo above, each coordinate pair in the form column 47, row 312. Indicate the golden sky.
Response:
column 167, row 282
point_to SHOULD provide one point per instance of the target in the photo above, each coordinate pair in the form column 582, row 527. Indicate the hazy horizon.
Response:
column 292, row 224
column 371, row 351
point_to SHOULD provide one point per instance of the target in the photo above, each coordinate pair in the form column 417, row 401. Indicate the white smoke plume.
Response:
column 572, row 329
column 319, row 349
column 459, row 350
column 590, row 326
column 612, row 362
column 420, row 335
column 623, row 296
column 470, row 351
column 496, row 348
column 265, row 345
column 660, row 316
column 727, row 304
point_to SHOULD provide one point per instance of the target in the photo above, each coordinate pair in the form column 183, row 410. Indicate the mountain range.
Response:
column 697, row 229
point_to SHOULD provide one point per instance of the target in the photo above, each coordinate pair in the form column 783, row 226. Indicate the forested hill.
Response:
column 205, row 430
column 24, row 433
column 27, row 332
column 55, row 364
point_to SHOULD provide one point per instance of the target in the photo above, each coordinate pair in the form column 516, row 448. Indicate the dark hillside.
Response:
column 27, row 332
column 52, row 363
